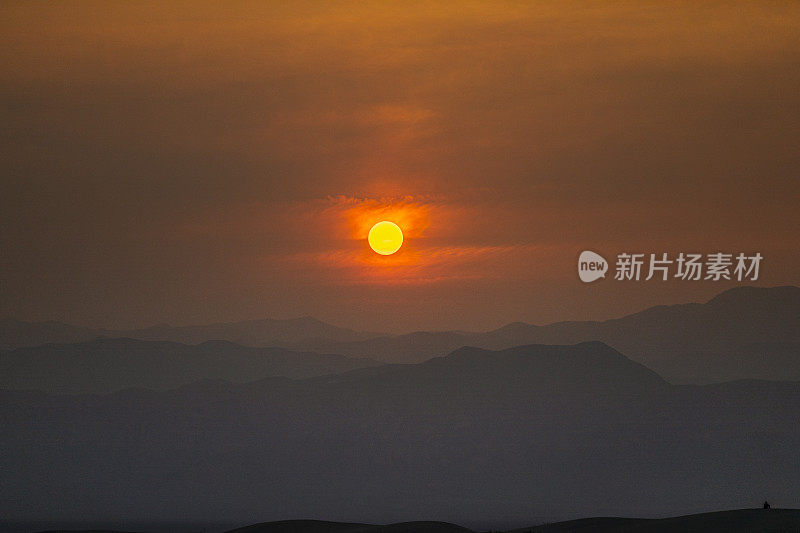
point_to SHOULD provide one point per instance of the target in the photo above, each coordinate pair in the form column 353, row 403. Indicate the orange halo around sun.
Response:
column 385, row 237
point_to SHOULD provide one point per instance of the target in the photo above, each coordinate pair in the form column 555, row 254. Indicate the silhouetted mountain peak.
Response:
column 221, row 345
column 586, row 364
column 100, row 342
column 305, row 320
column 750, row 295
column 513, row 328
column 308, row 319
column 108, row 342
column 590, row 350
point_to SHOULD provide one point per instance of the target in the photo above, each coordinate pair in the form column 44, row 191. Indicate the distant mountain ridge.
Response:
column 694, row 342
column 294, row 333
column 105, row 365
column 18, row 333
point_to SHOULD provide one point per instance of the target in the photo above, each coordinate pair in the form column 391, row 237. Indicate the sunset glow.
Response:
column 502, row 138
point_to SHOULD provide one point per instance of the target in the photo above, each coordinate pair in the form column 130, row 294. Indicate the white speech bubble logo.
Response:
column 591, row 266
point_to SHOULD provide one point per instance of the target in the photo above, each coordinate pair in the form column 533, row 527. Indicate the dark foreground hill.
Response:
column 739, row 521
column 317, row 526
column 108, row 365
column 472, row 438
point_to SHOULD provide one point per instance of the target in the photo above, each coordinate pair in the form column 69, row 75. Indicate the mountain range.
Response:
column 742, row 333
column 477, row 435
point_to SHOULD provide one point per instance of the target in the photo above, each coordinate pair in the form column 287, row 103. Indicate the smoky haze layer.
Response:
column 477, row 435
column 195, row 163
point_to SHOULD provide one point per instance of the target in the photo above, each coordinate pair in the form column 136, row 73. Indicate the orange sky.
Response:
column 196, row 162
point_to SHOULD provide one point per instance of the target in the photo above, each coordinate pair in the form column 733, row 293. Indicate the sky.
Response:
column 189, row 163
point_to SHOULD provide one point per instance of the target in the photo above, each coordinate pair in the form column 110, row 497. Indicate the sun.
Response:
column 385, row 237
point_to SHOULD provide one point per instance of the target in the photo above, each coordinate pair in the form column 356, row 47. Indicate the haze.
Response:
column 196, row 163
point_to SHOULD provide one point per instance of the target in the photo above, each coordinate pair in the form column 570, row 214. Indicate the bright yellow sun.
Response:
column 385, row 237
